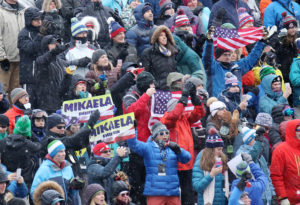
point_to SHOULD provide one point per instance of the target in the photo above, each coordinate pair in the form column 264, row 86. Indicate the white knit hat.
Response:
column 215, row 106
column 248, row 135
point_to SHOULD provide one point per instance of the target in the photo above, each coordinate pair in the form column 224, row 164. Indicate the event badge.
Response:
column 229, row 149
column 161, row 170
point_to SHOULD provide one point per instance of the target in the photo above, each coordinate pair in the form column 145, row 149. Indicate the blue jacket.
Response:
column 295, row 80
column 273, row 12
column 155, row 7
column 270, row 99
column 216, row 72
column 140, row 34
column 156, row 185
column 113, row 4
column 257, row 186
column 235, row 196
column 200, row 183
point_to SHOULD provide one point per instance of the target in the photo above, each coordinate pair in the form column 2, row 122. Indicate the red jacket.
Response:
column 12, row 113
column 179, row 124
column 285, row 166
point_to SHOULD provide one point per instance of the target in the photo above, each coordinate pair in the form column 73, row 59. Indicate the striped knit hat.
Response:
column 244, row 17
column 241, row 168
column 288, row 21
column 114, row 27
column 77, row 27
column 248, row 135
column 213, row 139
column 230, row 80
column 17, row 93
column 181, row 19
column 266, row 70
column 54, row 147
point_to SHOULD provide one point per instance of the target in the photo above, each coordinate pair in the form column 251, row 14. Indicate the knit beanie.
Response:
column 185, row 2
column 219, row 52
column 143, row 81
column 230, row 80
column 23, row 126
column 213, row 139
column 118, row 187
column 55, row 119
column 244, row 17
column 77, row 27
column 17, row 93
column 114, row 27
column 288, row 21
column 54, row 147
column 171, row 104
column 91, row 191
column 298, row 44
column 146, row 7
column 264, row 119
column 228, row 26
column 51, row 196
column 158, row 127
column 266, row 70
column 248, row 135
column 288, row 111
column 97, row 54
column 100, row 148
column 196, row 81
column 4, row 120
column 241, row 168
column 181, row 19
column 173, row 77
column 215, row 106
column 164, row 5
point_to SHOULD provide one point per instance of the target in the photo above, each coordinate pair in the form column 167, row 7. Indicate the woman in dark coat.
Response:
column 159, row 59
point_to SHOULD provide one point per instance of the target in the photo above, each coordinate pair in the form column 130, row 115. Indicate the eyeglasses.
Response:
column 106, row 151
column 123, row 194
column 3, row 126
column 163, row 133
column 221, row 108
column 60, row 127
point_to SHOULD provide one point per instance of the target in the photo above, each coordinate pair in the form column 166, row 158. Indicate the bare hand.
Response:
column 118, row 68
column 243, row 105
column 287, row 92
column 121, row 151
column 215, row 171
column 150, row 91
column 20, row 180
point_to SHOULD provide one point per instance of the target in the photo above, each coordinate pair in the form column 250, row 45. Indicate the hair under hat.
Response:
column 244, row 17
column 17, row 93
column 158, row 127
column 248, row 135
column 241, row 168
column 100, row 148
column 181, row 19
column 164, row 5
column 54, row 147
column 77, row 27
column 97, row 54
column 114, row 27
column 91, row 191
column 213, row 139
column 219, row 52
column 215, row 106
column 173, row 77
column 230, row 80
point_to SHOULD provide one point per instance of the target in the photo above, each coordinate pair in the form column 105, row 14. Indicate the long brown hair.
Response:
column 208, row 160
column 288, row 40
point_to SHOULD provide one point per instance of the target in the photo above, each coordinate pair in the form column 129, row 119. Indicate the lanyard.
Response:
column 292, row 12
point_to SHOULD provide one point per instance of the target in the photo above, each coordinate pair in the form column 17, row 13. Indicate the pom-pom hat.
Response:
column 244, row 17
column 213, row 139
column 288, row 21
column 114, row 27
column 181, row 19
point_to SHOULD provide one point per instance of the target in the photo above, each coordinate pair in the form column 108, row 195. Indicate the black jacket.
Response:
column 124, row 51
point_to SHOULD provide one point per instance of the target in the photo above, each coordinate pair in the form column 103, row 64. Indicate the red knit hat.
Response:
column 288, row 21
column 114, row 27
column 100, row 148
column 181, row 19
column 244, row 17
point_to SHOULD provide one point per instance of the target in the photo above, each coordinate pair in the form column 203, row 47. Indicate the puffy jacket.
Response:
column 12, row 22
column 270, row 99
column 285, row 165
column 115, row 4
column 156, row 185
column 258, row 185
column 116, row 51
column 12, row 114
column 201, row 182
column 139, row 35
column 295, row 80
column 216, row 72
column 188, row 61
column 179, row 125
column 273, row 12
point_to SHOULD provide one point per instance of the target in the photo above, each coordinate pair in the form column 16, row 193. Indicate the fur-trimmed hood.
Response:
column 43, row 187
column 46, row 5
column 160, row 29
column 96, row 24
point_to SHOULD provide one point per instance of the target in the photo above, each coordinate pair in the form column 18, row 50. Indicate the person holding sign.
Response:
column 160, row 157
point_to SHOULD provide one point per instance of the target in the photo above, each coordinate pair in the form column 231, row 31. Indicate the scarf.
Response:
column 164, row 51
column 3, row 135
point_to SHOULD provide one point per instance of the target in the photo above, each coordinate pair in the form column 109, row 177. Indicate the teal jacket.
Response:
column 295, row 80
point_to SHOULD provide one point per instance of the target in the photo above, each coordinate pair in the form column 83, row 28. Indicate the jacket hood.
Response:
column 75, row 79
column 45, row 42
column 291, row 133
column 277, row 113
column 267, row 86
column 46, row 5
column 6, row 6
column 95, row 22
column 30, row 14
column 43, row 187
column 157, row 32
column 182, row 47
column 138, row 14
column 15, row 141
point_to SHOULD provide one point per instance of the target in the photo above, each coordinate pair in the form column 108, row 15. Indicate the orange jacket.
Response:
column 12, row 113
column 179, row 124
column 263, row 5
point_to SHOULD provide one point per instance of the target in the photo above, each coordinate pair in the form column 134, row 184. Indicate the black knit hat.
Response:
column 4, row 120
column 277, row 113
column 146, row 7
column 118, row 187
column 219, row 52
column 51, row 196
column 97, row 54
column 143, row 81
column 55, row 119
column 213, row 139
column 3, row 177
column 91, row 191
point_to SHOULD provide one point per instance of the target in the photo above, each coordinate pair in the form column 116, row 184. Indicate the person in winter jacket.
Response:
column 210, row 171
column 128, row 14
column 78, row 88
column 4, row 104
column 167, row 10
column 160, row 58
column 160, row 157
column 121, row 193
column 295, row 82
column 285, row 165
column 93, row 29
column 179, row 124
column 95, row 194
column 38, row 125
column 12, row 22
column 4, row 124
column 140, row 34
column 273, row 94
column 48, row 193
column 29, row 43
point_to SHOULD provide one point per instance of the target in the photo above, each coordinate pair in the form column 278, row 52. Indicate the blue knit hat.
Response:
column 213, row 139
column 248, row 135
column 114, row 27
column 146, row 7
column 241, row 168
column 77, row 27
column 54, row 147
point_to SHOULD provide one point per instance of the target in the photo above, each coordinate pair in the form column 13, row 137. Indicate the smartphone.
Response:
column 119, row 62
column 19, row 170
column 287, row 85
column 218, row 161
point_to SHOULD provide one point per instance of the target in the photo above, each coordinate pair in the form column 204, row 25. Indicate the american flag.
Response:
column 159, row 106
column 232, row 39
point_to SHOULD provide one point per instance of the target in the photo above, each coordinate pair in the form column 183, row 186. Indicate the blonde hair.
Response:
column 207, row 162
column 92, row 200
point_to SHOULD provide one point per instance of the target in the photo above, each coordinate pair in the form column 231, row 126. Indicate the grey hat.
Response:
column 157, row 127
column 172, row 77
column 171, row 104
column 196, row 81
column 97, row 54
column 91, row 191
column 264, row 119
column 3, row 177
column 51, row 196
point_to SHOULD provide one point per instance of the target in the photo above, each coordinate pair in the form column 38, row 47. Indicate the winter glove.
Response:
column 93, row 119
column 247, row 158
column 45, row 27
column 116, row 16
column 210, row 33
column 96, row 86
column 285, row 202
column 196, row 100
column 103, row 78
column 5, row 64
column 174, row 147
column 123, row 54
column 260, row 134
column 58, row 49
column 83, row 62
column 203, row 93
column 77, row 183
column 243, row 181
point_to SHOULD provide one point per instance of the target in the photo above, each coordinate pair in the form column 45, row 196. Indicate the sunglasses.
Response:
column 106, row 151
column 124, row 194
column 3, row 126
column 163, row 133
column 60, row 127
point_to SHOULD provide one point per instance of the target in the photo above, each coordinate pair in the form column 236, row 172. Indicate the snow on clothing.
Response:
column 272, row 15
column 271, row 98
column 188, row 61
column 258, row 185
column 12, row 114
column 156, row 185
column 285, row 165
column 216, row 71
column 138, row 103
column 4, row 104
column 128, row 17
column 58, row 24
column 295, row 80
column 117, row 49
column 201, row 182
column 115, row 4
column 179, row 124
column 12, row 22
column 231, row 7
column 102, row 171
column 140, row 34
